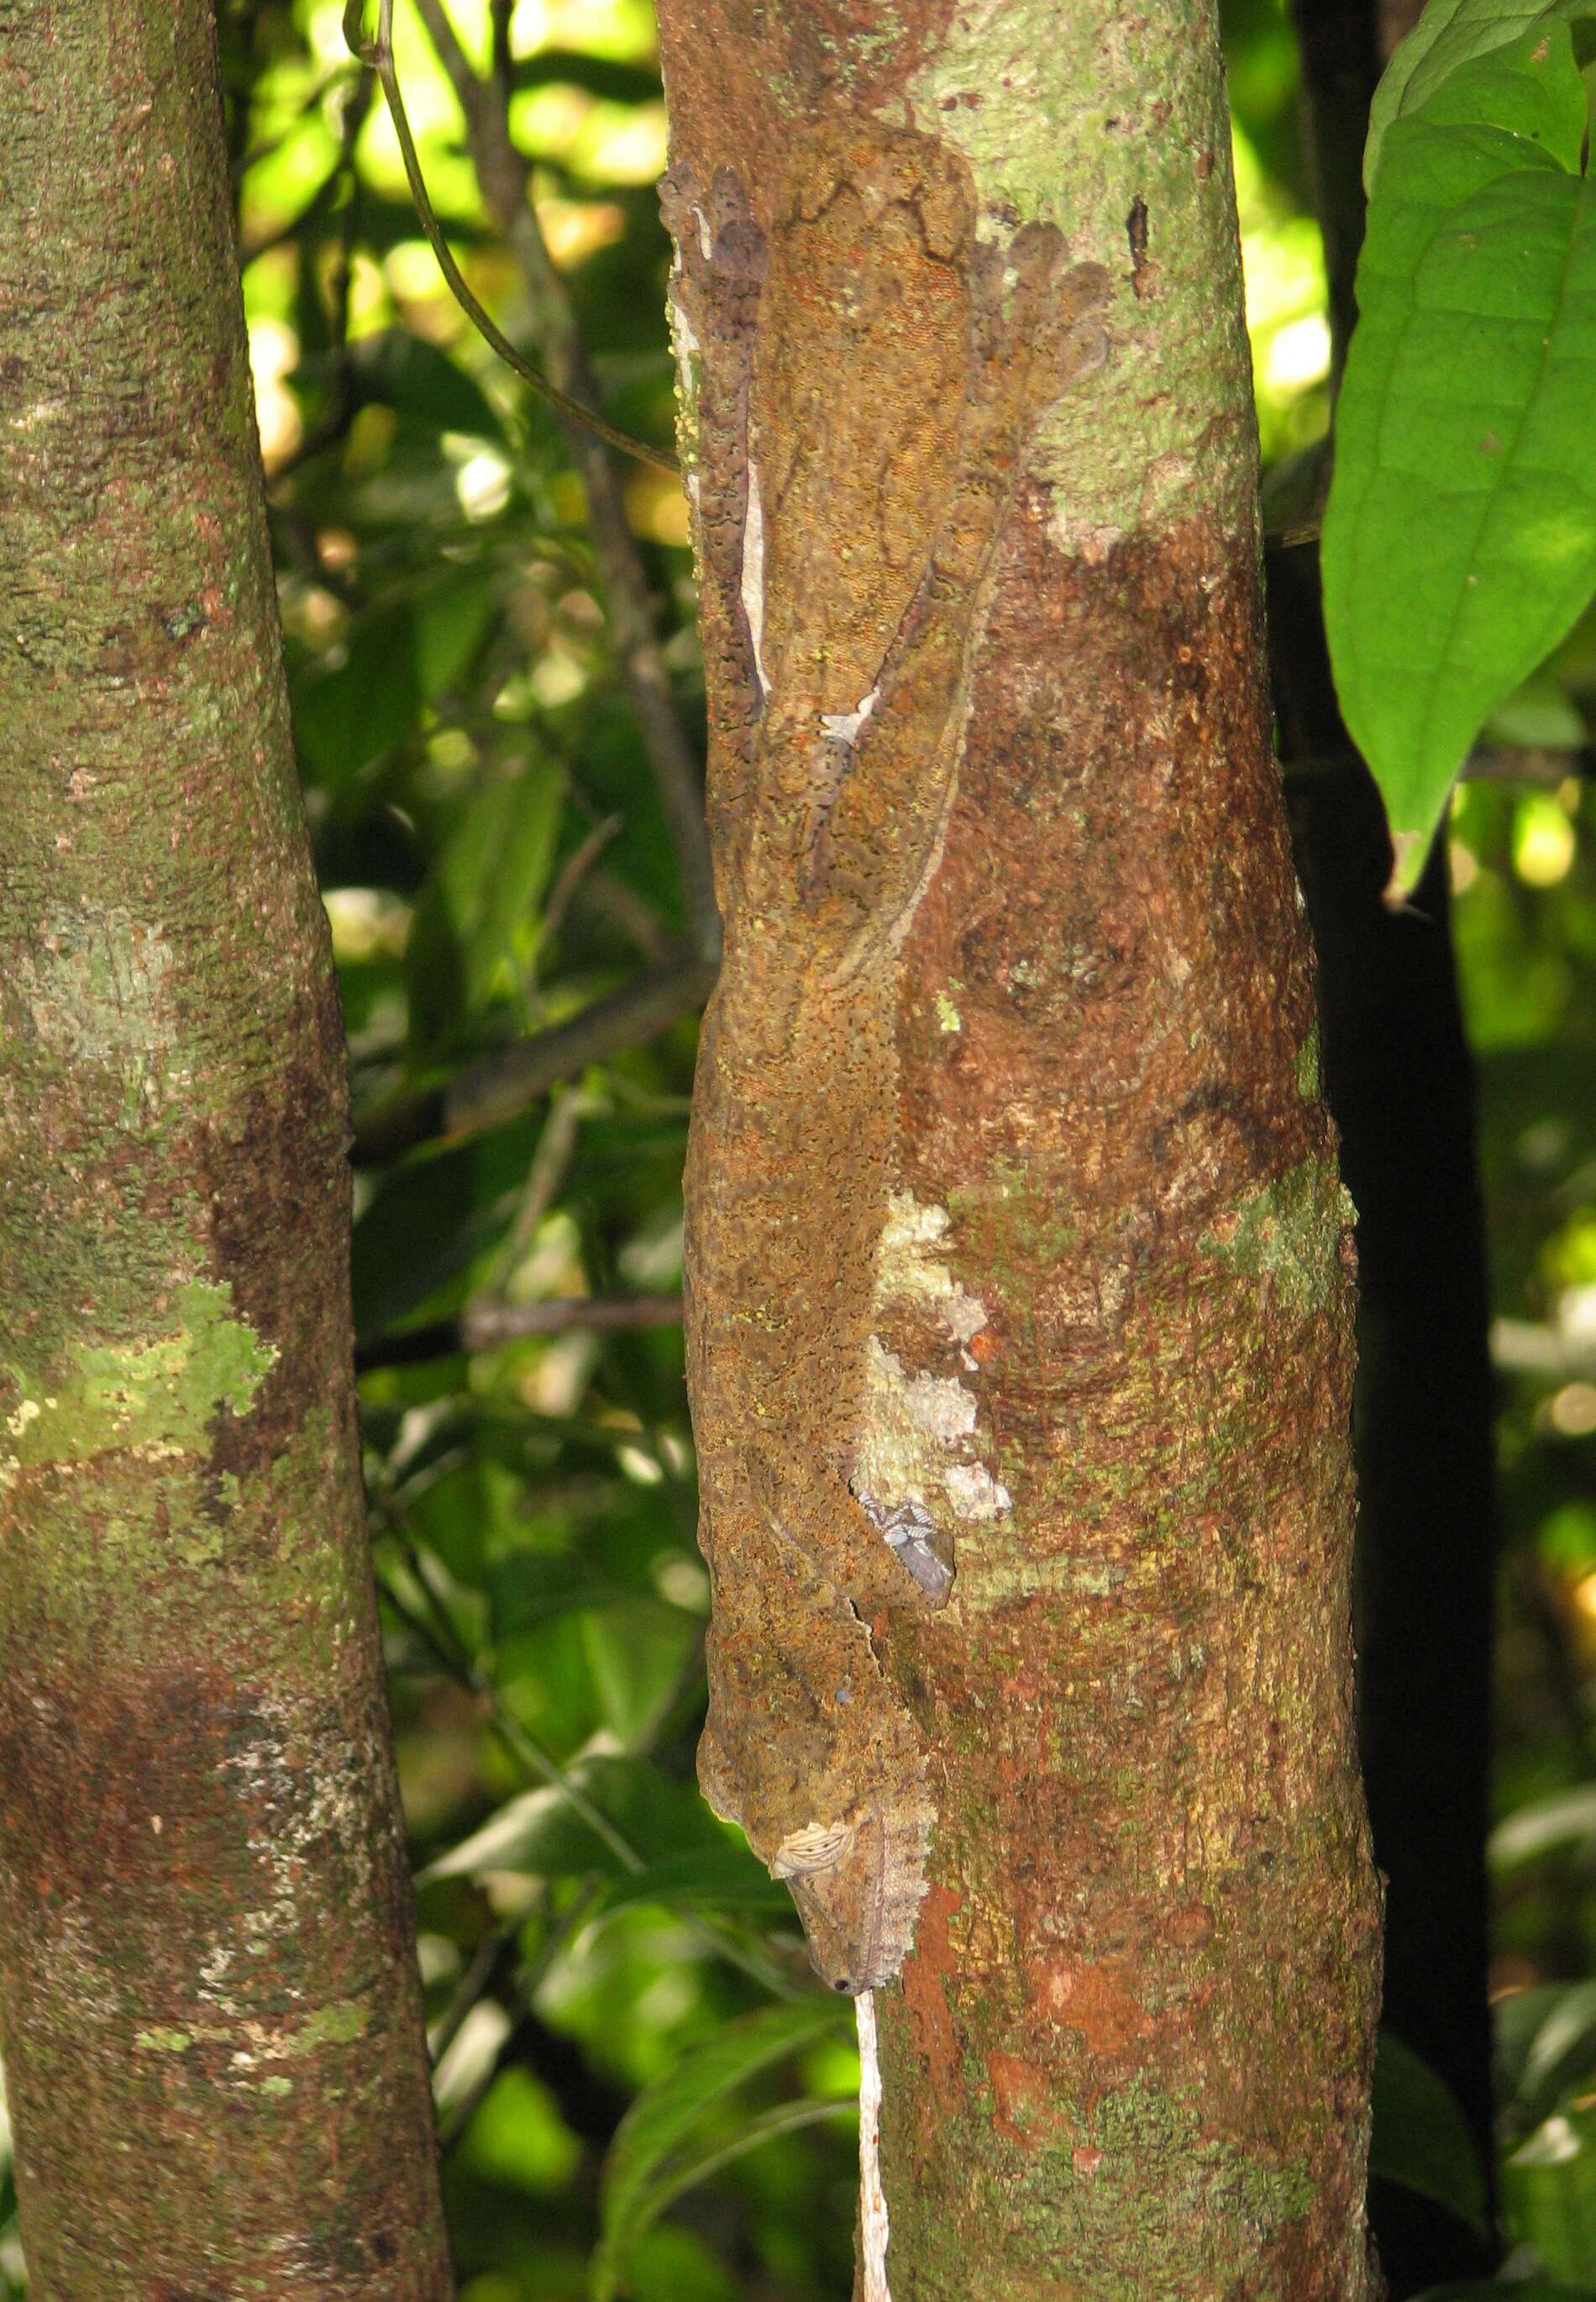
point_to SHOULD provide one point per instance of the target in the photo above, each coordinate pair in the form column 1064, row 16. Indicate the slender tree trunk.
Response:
column 1019, row 1307
column 208, row 2003
column 1400, row 1083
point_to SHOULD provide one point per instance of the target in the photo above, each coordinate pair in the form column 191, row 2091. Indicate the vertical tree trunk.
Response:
column 208, row 2005
column 1400, row 1081
column 1019, row 1325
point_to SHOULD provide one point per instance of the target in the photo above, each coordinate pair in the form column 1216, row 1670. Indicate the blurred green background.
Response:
column 495, row 858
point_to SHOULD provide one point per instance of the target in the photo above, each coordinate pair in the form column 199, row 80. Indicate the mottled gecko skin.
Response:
column 860, row 386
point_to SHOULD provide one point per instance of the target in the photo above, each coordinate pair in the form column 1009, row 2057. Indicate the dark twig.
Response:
column 505, row 182
column 500, row 1086
column 482, row 1328
column 379, row 55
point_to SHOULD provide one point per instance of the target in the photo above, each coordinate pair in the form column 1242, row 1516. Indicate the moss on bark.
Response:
column 208, row 2004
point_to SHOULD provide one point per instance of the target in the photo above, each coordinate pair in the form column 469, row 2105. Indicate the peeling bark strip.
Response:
column 208, row 2007
column 1020, row 1306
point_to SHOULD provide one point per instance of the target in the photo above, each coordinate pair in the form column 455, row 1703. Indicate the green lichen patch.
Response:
column 155, row 1397
column 1145, row 2206
column 164, row 2040
column 1288, row 1233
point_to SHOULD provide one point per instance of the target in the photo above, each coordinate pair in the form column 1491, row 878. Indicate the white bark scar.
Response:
column 872, row 2197
column 844, row 727
column 753, row 573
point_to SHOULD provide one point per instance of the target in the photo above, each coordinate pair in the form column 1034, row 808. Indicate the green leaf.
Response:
column 1491, row 2290
column 1449, row 35
column 1546, row 2048
column 1459, row 541
column 541, row 1836
column 428, row 1220
column 609, row 77
column 650, row 2162
column 399, row 659
column 1548, row 2188
column 724, row 1877
column 404, row 372
column 1565, row 1819
column 1420, row 2138
column 476, row 909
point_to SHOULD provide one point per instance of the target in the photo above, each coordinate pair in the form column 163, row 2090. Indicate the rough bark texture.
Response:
column 1020, row 1300
column 208, row 2005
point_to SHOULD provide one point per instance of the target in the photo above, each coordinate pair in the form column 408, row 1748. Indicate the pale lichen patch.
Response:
column 94, row 990
column 917, row 1433
column 155, row 1396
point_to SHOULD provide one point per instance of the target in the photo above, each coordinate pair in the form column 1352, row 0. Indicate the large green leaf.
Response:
column 1559, row 2058
column 1449, row 35
column 1491, row 2290
column 651, row 2161
column 1420, row 2138
column 1459, row 539
column 1548, row 2188
column 399, row 659
column 474, row 917
column 1548, row 1826
column 723, row 1877
column 402, row 371
column 540, row 1834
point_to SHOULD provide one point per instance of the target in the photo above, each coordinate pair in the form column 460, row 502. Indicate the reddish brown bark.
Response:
column 1015, row 1232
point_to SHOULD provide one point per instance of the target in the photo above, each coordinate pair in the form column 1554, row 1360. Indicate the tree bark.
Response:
column 1400, row 1084
column 1020, row 1306
column 208, row 2003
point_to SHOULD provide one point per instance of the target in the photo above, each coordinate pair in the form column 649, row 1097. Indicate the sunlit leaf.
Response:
column 1449, row 35
column 1420, row 2138
column 652, row 2161
column 1459, row 538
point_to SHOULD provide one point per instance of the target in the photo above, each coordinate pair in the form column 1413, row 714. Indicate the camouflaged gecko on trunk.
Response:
column 860, row 382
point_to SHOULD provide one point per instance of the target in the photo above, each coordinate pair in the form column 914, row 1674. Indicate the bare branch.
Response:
column 499, row 1086
column 481, row 1327
column 505, row 182
column 379, row 55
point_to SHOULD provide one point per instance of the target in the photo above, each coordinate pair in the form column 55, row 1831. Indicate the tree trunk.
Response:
column 1020, row 1308
column 208, row 2001
column 1400, row 1084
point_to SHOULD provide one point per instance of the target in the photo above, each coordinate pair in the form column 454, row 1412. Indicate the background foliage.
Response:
column 640, row 2090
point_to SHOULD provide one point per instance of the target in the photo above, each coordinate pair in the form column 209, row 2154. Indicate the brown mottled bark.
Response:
column 1019, row 1309
column 208, row 2006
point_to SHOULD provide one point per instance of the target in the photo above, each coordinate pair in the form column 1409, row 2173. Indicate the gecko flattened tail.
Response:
column 858, row 1910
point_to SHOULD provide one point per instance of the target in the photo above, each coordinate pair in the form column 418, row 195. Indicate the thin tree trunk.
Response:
column 208, row 2003
column 1020, row 1314
column 1400, row 1084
